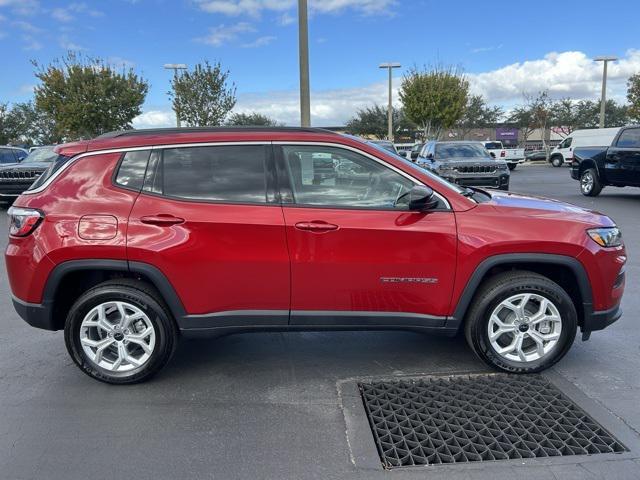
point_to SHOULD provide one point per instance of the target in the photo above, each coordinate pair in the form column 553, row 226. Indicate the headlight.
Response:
column 606, row 237
column 445, row 168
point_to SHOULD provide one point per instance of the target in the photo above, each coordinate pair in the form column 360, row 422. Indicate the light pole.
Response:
column 175, row 67
column 303, row 47
column 390, row 67
column 603, row 100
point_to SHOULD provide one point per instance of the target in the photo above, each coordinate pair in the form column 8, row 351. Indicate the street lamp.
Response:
column 303, row 47
column 603, row 100
column 175, row 67
column 390, row 67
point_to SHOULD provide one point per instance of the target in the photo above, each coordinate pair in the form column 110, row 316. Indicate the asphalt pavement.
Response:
column 273, row 406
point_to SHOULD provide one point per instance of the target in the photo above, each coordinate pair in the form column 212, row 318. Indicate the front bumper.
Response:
column 595, row 321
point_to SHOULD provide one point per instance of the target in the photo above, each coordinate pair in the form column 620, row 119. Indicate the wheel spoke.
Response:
column 509, row 348
column 138, row 341
column 104, row 342
column 539, row 342
column 518, row 348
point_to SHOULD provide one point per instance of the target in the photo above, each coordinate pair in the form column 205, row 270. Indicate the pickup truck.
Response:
column 617, row 165
column 513, row 156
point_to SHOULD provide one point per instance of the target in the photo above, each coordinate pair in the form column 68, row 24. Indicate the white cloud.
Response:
column 22, row 7
column 68, row 44
column 30, row 43
column 120, row 62
column 287, row 19
column 260, row 42
column 486, row 49
column 222, row 34
column 61, row 15
column 566, row 74
column 68, row 13
column 256, row 7
column 155, row 119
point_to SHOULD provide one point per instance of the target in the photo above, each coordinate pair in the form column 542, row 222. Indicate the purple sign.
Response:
column 506, row 133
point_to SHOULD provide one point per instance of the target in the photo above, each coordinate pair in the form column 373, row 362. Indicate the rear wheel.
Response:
column 512, row 166
column 120, row 332
column 557, row 161
column 590, row 185
column 521, row 322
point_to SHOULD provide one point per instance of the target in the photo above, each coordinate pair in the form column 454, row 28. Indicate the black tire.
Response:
column 504, row 187
column 557, row 161
column 590, row 185
column 512, row 166
column 140, row 295
column 501, row 287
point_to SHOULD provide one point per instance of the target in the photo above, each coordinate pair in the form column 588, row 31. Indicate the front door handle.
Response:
column 162, row 219
column 316, row 226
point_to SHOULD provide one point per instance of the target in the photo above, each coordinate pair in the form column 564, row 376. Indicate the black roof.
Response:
column 165, row 131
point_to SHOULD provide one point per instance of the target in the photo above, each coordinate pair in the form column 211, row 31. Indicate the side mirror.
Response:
column 430, row 156
column 493, row 155
column 422, row 198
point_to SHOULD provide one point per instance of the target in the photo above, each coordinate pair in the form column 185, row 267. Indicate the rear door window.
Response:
column 226, row 174
column 629, row 138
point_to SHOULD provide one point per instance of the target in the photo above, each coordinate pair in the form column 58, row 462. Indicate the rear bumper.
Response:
column 35, row 314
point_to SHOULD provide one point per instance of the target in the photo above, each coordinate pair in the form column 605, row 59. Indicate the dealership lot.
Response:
column 273, row 405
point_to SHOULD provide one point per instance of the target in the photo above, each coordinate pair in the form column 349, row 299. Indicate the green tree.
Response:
column 86, row 96
column 633, row 97
column 568, row 115
column 371, row 121
column 253, row 119
column 434, row 98
column 477, row 114
column 33, row 126
column 7, row 125
column 204, row 96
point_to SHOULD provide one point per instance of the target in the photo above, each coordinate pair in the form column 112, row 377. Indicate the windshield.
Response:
column 460, row 150
column 41, row 155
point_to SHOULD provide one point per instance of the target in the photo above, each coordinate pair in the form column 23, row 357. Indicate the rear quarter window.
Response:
column 132, row 169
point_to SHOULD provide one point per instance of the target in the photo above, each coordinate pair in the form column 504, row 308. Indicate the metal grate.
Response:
column 473, row 418
column 476, row 169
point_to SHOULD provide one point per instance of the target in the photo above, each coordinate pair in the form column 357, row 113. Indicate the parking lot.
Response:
column 273, row 405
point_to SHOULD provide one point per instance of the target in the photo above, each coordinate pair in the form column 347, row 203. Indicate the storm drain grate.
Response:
column 473, row 418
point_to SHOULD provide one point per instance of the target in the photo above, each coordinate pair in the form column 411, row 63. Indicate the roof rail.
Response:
column 161, row 131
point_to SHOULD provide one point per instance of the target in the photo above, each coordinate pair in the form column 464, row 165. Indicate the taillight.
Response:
column 503, row 153
column 23, row 221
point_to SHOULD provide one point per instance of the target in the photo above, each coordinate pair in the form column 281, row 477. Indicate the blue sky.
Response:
column 506, row 48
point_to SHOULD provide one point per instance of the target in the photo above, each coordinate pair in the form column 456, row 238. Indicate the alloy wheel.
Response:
column 524, row 327
column 586, row 183
column 117, row 336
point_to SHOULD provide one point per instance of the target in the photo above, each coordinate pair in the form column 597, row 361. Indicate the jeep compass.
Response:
column 134, row 239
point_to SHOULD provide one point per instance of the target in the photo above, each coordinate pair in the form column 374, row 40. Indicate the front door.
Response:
column 358, row 255
column 623, row 160
column 208, row 219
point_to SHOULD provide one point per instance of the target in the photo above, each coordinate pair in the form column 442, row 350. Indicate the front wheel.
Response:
column 590, row 185
column 120, row 332
column 521, row 322
column 512, row 166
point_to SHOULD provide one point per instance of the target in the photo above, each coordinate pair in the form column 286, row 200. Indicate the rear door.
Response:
column 358, row 256
column 209, row 220
column 623, row 159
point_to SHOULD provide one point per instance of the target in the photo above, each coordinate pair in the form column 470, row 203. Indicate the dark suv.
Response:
column 131, row 240
column 465, row 163
column 17, row 177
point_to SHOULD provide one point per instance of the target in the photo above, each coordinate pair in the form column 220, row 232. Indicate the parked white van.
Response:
column 592, row 137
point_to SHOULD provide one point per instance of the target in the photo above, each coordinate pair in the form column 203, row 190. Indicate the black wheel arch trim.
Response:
column 475, row 281
column 157, row 278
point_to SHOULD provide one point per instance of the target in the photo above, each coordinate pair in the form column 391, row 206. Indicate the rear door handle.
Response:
column 316, row 226
column 162, row 219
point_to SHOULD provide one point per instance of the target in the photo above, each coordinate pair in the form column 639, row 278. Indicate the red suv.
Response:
column 136, row 238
